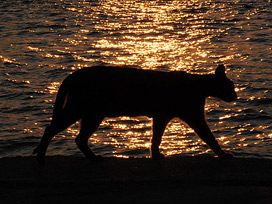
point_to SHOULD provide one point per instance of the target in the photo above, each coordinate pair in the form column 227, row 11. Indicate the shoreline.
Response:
column 66, row 179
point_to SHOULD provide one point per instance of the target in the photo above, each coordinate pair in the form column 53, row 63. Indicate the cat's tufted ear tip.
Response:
column 220, row 70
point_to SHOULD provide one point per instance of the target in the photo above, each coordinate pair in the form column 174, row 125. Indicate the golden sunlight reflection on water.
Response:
column 151, row 40
column 144, row 33
column 57, row 37
column 164, row 35
column 148, row 34
column 53, row 87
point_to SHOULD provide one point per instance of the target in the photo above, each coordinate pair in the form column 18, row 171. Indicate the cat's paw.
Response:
column 40, row 156
column 157, row 156
column 35, row 151
column 95, row 158
column 225, row 156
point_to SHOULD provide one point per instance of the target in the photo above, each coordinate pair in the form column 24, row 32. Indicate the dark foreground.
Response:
column 173, row 180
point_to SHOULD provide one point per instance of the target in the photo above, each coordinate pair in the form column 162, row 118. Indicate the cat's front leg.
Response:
column 158, row 127
column 203, row 131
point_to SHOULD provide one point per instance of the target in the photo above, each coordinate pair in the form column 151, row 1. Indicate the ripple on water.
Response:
column 43, row 41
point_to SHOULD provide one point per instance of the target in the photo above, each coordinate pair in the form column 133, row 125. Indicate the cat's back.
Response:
column 112, row 71
column 124, row 75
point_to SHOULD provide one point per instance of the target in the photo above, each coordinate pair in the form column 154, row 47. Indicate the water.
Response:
column 43, row 41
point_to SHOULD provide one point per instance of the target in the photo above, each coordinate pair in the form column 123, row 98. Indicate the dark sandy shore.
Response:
column 173, row 180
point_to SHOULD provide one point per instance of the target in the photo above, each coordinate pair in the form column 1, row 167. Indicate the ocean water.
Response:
column 42, row 41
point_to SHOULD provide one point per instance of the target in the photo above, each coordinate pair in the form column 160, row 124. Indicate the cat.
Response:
column 93, row 93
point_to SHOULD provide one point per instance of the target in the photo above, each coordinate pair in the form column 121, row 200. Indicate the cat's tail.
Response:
column 61, row 100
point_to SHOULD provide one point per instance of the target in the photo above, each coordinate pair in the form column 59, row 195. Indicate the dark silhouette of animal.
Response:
column 93, row 93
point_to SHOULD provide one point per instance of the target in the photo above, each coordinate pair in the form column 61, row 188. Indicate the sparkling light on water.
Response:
column 56, row 37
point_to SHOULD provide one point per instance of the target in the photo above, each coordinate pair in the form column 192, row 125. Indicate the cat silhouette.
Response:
column 91, row 94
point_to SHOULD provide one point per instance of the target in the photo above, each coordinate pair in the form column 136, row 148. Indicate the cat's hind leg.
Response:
column 88, row 127
column 57, row 125
column 158, row 127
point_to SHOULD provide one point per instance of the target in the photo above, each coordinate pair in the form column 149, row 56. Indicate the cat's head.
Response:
column 223, row 87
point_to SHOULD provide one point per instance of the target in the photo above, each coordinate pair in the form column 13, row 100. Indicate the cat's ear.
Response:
column 220, row 71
